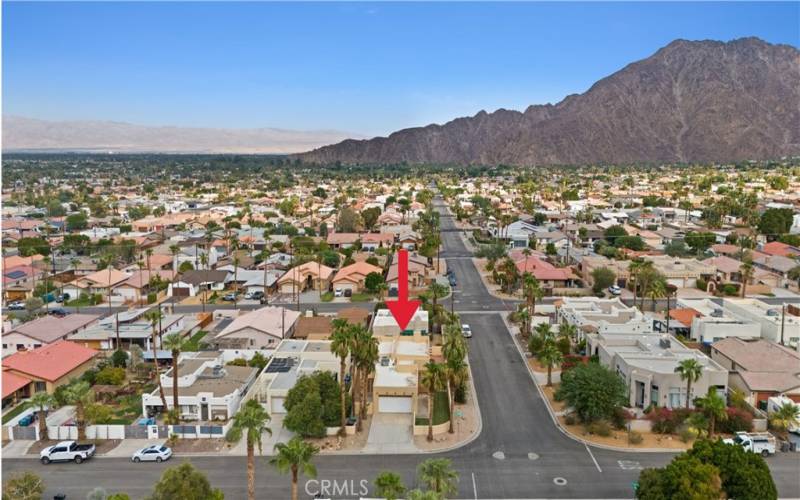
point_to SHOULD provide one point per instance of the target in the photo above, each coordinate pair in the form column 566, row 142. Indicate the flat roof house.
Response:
column 45, row 330
column 775, row 324
column 597, row 315
column 207, row 388
column 761, row 369
column 713, row 323
column 263, row 328
column 52, row 365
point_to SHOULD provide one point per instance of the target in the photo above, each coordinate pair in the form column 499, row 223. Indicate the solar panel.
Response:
column 14, row 275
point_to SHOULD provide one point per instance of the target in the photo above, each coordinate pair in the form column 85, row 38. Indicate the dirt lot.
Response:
column 349, row 443
column 199, row 445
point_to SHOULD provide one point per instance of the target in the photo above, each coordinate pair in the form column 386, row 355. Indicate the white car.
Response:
column 154, row 453
column 614, row 290
column 338, row 292
column 466, row 331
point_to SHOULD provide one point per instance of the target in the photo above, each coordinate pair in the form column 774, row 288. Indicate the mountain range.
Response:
column 690, row 101
column 28, row 134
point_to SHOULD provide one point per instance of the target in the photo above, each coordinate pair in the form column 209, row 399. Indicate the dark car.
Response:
column 59, row 313
column 61, row 298
column 452, row 280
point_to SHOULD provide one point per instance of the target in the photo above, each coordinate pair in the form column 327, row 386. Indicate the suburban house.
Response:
column 777, row 264
column 342, row 240
column 683, row 273
column 647, row 363
column 208, row 389
column 193, row 254
column 589, row 263
column 548, row 275
column 133, row 329
column 776, row 325
column 193, row 282
column 760, row 368
column 314, row 327
column 352, row 277
column 291, row 360
column 519, row 233
column 781, row 249
column 43, row 331
column 50, row 366
column 308, row 276
column 135, row 288
column 597, row 315
column 250, row 280
column 263, row 328
column 713, row 323
column 15, row 388
column 373, row 241
column 98, row 282
column 408, row 240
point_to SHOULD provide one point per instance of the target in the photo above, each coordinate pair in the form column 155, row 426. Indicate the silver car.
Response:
column 154, row 453
column 466, row 331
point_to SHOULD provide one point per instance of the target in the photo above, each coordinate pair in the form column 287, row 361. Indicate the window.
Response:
column 20, row 347
column 5, row 346
column 40, row 386
column 677, row 398
column 654, row 395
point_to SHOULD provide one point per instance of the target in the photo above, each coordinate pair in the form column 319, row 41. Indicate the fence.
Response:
column 70, row 432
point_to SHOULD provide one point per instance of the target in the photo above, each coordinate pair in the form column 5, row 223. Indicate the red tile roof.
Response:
column 542, row 269
column 13, row 382
column 50, row 362
column 685, row 316
column 782, row 249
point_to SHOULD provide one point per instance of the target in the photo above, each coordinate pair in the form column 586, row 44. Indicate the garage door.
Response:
column 394, row 404
column 180, row 291
column 277, row 405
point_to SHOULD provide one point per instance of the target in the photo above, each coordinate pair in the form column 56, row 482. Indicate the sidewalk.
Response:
column 17, row 448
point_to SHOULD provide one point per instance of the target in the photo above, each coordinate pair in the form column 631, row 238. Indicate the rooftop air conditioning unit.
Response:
column 716, row 313
column 664, row 342
column 773, row 312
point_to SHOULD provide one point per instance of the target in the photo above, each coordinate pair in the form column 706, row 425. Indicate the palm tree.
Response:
column 550, row 355
column 438, row 475
column 634, row 268
column 389, row 485
column 747, row 272
column 533, row 292
column 79, row 394
column 341, row 341
column 657, row 290
column 436, row 291
column 713, row 407
column 434, row 379
column 454, row 346
column 148, row 252
column 46, row 261
column 457, row 374
column 524, row 317
column 295, row 456
column 204, row 262
column 785, row 417
column 154, row 316
column 41, row 401
column 236, row 262
column 567, row 330
column 175, row 343
column 689, row 370
column 251, row 420
column 366, row 355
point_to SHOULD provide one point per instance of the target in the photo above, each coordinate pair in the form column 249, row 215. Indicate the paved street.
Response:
column 520, row 453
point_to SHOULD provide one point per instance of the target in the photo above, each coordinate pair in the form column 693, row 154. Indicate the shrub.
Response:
column 687, row 433
column 738, row 420
column 110, row 376
column 701, row 284
column 119, row 358
column 151, row 297
column 563, row 345
column 535, row 344
column 593, row 391
column 237, row 362
column 461, row 393
column 599, row 428
column 570, row 419
column 570, row 361
column 635, row 437
column 666, row 421
column 620, row 418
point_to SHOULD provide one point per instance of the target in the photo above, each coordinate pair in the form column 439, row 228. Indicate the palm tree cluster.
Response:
column 354, row 342
column 648, row 282
column 550, row 348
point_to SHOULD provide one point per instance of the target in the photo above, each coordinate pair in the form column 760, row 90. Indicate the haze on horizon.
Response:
column 362, row 68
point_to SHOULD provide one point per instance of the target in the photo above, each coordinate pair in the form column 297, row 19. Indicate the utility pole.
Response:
column 783, row 320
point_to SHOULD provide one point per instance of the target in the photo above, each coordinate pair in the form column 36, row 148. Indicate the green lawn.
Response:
column 81, row 302
column 441, row 410
column 362, row 297
column 13, row 413
column 193, row 344
column 327, row 296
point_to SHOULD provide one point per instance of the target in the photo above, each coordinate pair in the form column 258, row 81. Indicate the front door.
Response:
column 640, row 394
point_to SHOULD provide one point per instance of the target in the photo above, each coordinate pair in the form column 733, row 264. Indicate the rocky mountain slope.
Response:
column 690, row 101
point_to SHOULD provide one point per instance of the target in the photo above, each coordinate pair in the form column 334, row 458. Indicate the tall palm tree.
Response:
column 747, row 272
column 785, row 417
column 389, row 485
column 436, row 291
column 366, row 355
column 204, row 262
column 148, row 253
column 634, row 268
column 657, row 290
column 41, row 401
column 236, row 263
column 79, row 394
column 46, row 261
column 567, row 330
column 457, row 374
column 154, row 317
column 175, row 343
column 251, row 420
column 439, row 476
column 295, row 456
column 341, row 341
column 454, row 346
column 433, row 378
column 689, row 370
column 533, row 292
column 713, row 407
column 550, row 355
column 524, row 318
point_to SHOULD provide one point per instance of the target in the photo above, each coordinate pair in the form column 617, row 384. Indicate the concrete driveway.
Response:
column 390, row 433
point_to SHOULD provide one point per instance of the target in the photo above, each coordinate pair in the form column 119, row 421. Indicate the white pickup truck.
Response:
column 67, row 451
column 762, row 443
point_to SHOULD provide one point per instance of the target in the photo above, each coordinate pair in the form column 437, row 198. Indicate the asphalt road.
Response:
column 520, row 453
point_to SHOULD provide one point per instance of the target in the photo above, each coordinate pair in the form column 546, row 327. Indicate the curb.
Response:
column 558, row 425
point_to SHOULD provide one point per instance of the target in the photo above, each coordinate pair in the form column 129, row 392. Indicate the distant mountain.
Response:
column 27, row 134
column 690, row 101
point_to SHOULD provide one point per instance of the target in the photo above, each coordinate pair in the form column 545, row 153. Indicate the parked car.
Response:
column 614, row 290
column 229, row 297
column 153, row 453
column 338, row 292
column 67, row 451
column 257, row 295
column 63, row 297
column 58, row 312
column 452, row 280
column 762, row 443
column 466, row 331
column 17, row 305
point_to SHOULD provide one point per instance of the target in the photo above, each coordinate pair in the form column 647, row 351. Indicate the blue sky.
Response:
column 369, row 68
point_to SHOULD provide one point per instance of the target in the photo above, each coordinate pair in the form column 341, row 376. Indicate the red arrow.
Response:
column 402, row 308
